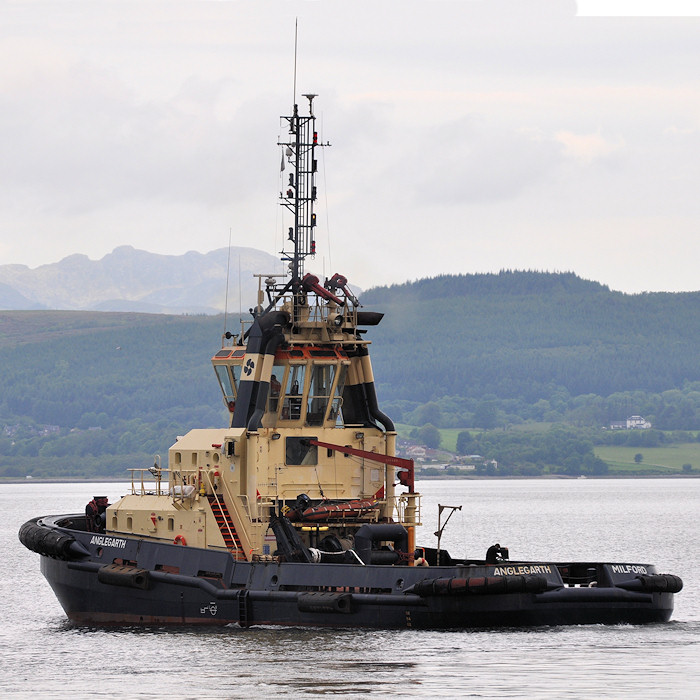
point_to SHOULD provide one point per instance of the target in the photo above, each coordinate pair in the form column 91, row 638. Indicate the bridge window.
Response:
column 228, row 380
column 292, row 402
column 276, row 379
column 322, row 377
column 337, row 402
column 236, row 374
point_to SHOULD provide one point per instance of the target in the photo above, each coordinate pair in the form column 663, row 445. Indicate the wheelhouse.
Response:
column 306, row 385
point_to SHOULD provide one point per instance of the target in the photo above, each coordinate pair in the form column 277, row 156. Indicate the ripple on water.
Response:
column 46, row 656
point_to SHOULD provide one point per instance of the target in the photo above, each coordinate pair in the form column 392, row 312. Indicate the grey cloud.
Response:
column 154, row 124
column 87, row 142
column 476, row 163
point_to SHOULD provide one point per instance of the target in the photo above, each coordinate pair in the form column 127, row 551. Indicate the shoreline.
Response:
column 446, row 477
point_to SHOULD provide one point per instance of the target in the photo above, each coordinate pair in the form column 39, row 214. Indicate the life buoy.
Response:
column 179, row 539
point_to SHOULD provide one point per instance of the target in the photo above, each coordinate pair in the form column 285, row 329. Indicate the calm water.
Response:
column 647, row 521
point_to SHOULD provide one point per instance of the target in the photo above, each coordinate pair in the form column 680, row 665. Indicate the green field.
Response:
column 448, row 436
column 655, row 460
column 661, row 459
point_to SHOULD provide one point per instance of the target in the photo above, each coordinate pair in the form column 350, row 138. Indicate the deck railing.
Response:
column 157, row 482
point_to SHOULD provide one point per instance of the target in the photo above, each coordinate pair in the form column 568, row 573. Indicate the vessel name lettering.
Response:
column 510, row 570
column 108, row 541
column 628, row 569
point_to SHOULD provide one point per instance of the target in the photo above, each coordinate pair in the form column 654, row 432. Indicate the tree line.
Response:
column 501, row 348
column 84, row 390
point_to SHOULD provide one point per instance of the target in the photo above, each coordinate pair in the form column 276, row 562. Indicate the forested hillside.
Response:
column 94, row 393
column 530, row 342
column 89, row 393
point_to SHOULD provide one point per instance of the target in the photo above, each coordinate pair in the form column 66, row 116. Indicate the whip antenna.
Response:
column 296, row 36
column 228, row 269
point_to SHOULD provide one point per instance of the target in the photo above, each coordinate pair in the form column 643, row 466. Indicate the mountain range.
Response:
column 128, row 279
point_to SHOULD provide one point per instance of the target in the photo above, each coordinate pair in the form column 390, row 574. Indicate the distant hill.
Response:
column 518, row 334
column 86, row 393
column 128, row 279
column 91, row 393
column 11, row 299
column 506, row 282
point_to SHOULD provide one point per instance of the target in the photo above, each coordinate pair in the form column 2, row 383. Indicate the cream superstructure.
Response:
column 298, row 373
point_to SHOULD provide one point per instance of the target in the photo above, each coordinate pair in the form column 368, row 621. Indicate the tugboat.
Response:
column 300, row 512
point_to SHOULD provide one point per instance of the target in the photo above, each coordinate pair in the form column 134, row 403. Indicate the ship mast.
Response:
column 300, row 191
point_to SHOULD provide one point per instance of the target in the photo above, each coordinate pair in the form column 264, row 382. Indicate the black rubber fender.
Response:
column 653, row 583
column 44, row 540
column 128, row 576
column 319, row 602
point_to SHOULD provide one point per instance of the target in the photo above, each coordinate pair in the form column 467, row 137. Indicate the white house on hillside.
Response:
column 632, row 423
column 637, row 423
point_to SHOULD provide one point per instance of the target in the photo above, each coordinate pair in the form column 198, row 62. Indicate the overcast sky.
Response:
column 467, row 135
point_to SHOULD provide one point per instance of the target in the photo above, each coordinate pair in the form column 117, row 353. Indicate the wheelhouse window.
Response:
column 276, row 380
column 322, row 377
column 337, row 402
column 293, row 391
column 236, row 374
column 227, row 382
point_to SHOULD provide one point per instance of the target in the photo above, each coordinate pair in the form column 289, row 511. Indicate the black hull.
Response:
column 87, row 602
column 155, row 583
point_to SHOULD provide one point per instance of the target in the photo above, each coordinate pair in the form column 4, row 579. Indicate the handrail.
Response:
column 403, row 501
column 141, row 489
column 177, row 487
column 178, row 490
column 233, row 535
column 232, row 507
column 243, row 535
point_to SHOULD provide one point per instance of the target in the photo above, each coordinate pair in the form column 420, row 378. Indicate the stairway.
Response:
column 228, row 529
